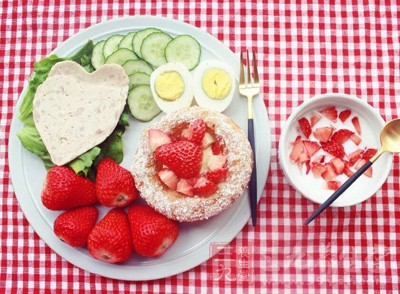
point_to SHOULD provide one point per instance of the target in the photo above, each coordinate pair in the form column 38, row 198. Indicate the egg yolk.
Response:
column 216, row 83
column 169, row 85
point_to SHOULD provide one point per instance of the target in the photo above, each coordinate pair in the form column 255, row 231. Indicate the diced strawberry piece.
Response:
column 334, row 149
column 157, row 138
column 207, row 153
column 329, row 173
column 297, row 138
column 354, row 156
column 369, row 153
column 305, row 127
column 208, row 139
column 323, row 134
column 317, row 169
column 216, row 162
column 184, row 188
column 359, row 164
column 303, row 157
column 330, row 113
column 193, row 181
column 218, row 175
column 298, row 148
column 168, row 178
column 312, row 147
column 344, row 115
column 347, row 171
column 315, row 117
column 320, row 158
column 308, row 167
column 333, row 185
column 341, row 136
column 356, row 124
column 217, row 148
column 204, row 187
column 356, row 139
column 338, row 165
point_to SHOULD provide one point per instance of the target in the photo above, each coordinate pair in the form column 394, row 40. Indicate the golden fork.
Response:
column 250, row 87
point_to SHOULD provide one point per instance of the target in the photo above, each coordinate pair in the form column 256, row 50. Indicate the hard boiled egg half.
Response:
column 171, row 86
column 214, row 85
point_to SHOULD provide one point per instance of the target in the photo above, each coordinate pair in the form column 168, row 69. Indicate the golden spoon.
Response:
column 390, row 141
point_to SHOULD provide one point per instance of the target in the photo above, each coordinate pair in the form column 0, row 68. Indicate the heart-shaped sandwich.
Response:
column 74, row 110
column 192, row 164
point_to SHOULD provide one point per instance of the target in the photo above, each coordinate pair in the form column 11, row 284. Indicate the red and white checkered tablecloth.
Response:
column 304, row 49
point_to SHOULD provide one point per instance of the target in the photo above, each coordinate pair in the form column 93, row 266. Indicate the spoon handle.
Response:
column 339, row 191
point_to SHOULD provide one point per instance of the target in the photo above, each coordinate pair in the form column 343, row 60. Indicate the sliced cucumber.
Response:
column 121, row 56
column 141, row 103
column 153, row 48
column 126, row 42
column 139, row 78
column 184, row 49
column 134, row 66
column 97, row 55
column 111, row 45
column 139, row 37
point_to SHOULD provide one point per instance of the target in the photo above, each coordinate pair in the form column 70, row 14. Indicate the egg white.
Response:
column 201, row 97
column 187, row 96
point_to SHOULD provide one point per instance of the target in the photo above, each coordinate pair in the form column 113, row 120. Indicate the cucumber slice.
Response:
column 121, row 56
column 141, row 103
column 134, row 66
column 111, row 45
column 139, row 37
column 126, row 42
column 139, row 78
column 97, row 55
column 184, row 49
column 153, row 48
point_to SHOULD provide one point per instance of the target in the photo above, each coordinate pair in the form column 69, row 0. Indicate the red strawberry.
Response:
column 344, row 115
column 297, row 150
column 110, row 240
column 204, row 187
column 183, row 158
column 334, row 149
column 216, row 162
column 347, row 171
column 73, row 226
column 218, row 175
column 303, row 157
column 168, row 178
column 217, row 148
column 341, row 136
column 308, row 167
column 63, row 190
column 359, row 164
column 208, row 139
column 157, row 138
column 333, row 185
column 197, row 130
column 356, row 139
column 338, row 165
column 323, row 134
column 305, row 127
column 320, row 159
column 115, row 186
column 354, row 156
column 369, row 153
column 152, row 233
column 193, row 181
column 184, row 187
column 330, row 113
column 317, row 169
column 312, row 147
column 315, row 117
column 329, row 173
column 356, row 124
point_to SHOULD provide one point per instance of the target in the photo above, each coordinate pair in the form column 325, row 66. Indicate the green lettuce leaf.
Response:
column 83, row 163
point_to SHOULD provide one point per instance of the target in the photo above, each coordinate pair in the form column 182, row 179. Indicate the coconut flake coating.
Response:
column 180, row 207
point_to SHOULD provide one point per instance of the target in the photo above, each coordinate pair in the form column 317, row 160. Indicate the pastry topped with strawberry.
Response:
column 192, row 164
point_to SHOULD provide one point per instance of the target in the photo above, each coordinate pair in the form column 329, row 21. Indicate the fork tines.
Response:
column 249, row 80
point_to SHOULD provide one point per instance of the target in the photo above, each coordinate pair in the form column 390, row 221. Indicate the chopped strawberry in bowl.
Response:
column 325, row 141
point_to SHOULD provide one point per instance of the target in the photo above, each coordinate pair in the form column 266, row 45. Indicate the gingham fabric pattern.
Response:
column 303, row 49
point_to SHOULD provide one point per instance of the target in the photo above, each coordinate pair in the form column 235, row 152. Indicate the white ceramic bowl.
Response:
column 371, row 124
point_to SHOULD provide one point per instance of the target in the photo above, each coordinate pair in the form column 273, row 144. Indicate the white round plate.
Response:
column 193, row 244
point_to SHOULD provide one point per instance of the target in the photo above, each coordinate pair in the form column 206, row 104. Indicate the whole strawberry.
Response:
column 63, row 190
column 110, row 240
column 115, row 186
column 183, row 158
column 152, row 232
column 73, row 226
